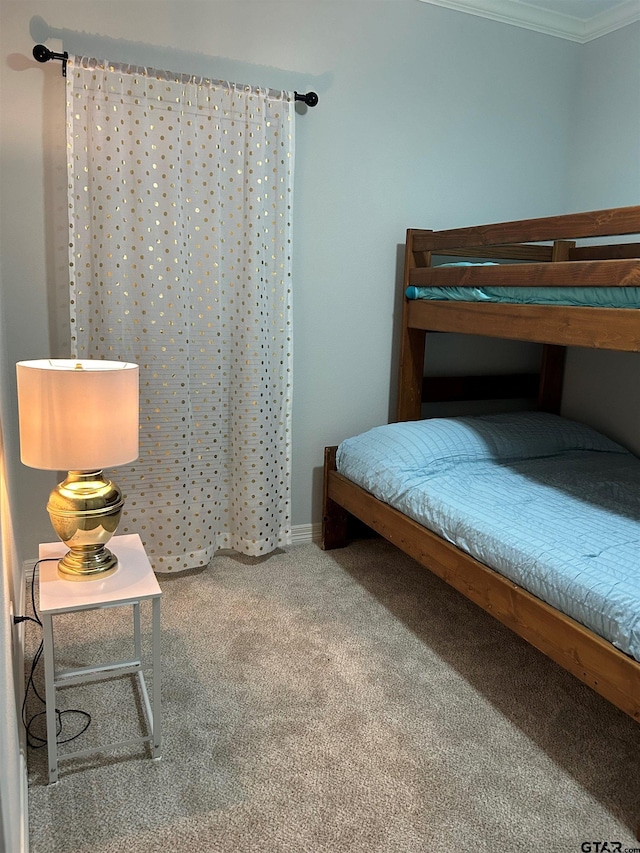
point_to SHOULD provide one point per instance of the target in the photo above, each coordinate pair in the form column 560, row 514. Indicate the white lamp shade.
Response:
column 77, row 414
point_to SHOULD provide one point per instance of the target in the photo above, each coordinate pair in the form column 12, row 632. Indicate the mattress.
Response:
column 547, row 502
column 590, row 297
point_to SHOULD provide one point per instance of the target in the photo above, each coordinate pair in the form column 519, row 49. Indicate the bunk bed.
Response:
column 535, row 267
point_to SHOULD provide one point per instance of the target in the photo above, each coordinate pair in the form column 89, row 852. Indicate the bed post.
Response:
column 551, row 378
column 334, row 517
column 553, row 357
column 412, row 346
column 411, row 374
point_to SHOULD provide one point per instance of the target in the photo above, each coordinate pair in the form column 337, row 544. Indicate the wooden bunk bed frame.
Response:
column 548, row 255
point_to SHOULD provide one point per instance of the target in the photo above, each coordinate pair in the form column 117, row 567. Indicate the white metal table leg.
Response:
column 157, row 710
column 137, row 633
column 50, row 696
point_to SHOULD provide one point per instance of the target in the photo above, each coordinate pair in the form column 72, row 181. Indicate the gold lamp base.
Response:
column 85, row 511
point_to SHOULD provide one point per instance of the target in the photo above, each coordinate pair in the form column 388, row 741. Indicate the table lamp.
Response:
column 80, row 416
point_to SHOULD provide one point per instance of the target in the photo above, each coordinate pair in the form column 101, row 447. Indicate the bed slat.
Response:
column 609, row 273
column 522, row 252
column 595, row 223
column 599, row 328
column 595, row 253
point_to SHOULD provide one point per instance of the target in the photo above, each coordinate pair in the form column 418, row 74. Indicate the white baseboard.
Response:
column 24, row 805
column 28, row 567
column 305, row 533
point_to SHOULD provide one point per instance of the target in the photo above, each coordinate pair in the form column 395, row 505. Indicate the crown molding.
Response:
column 616, row 18
column 522, row 14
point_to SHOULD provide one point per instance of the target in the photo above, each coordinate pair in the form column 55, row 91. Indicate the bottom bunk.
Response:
column 586, row 598
column 579, row 649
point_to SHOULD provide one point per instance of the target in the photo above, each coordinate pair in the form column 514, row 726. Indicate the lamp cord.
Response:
column 35, row 741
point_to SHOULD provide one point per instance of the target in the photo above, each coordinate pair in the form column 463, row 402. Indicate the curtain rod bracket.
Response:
column 43, row 54
column 310, row 99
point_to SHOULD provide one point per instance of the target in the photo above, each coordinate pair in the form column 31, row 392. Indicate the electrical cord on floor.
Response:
column 35, row 741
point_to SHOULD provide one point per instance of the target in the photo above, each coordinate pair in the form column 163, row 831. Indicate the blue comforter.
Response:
column 547, row 502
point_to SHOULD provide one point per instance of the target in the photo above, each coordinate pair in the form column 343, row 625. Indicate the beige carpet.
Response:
column 341, row 701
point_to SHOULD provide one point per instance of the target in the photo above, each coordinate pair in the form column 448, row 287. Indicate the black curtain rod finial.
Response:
column 43, row 54
column 310, row 99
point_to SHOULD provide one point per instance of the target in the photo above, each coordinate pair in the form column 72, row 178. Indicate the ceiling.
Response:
column 576, row 20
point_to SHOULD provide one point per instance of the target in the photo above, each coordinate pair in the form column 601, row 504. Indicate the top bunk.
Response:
column 531, row 269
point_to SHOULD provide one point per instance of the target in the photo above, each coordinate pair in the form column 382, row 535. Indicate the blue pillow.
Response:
column 526, row 435
column 437, row 443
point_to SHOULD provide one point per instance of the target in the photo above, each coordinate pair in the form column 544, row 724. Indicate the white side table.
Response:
column 133, row 582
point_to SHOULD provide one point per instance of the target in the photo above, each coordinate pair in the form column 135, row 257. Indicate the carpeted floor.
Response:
column 340, row 701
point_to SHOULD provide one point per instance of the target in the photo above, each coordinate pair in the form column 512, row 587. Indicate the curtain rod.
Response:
column 43, row 54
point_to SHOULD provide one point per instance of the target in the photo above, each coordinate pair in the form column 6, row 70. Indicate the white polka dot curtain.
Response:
column 180, row 195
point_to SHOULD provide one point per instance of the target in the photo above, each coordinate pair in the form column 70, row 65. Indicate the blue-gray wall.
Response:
column 427, row 117
column 603, row 170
